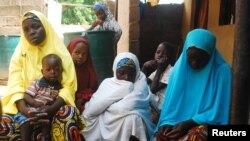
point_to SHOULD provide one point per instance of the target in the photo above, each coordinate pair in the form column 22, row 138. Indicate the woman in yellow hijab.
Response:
column 38, row 39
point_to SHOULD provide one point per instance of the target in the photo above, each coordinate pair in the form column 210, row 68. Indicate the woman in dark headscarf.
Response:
column 85, row 71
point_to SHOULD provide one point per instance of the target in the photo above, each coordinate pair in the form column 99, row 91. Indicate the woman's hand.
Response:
column 37, row 117
column 162, row 132
column 181, row 129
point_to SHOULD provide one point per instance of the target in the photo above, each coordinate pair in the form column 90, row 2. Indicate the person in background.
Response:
column 41, row 93
column 119, row 109
column 158, row 80
column 198, row 92
column 85, row 71
column 38, row 39
column 106, row 21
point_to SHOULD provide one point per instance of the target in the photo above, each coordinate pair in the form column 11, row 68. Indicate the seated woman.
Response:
column 38, row 39
column 85, row 71
column 119, row 108
column 198, row 92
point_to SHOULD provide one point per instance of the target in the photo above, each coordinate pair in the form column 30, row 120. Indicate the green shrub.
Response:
column 78, row 14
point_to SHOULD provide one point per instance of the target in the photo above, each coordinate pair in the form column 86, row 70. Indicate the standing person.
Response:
column 106, row 21
column 162, row 65
column 85, row 71
column 38, row 39
column 198, row 92
column 119, row 109
column 41, row 93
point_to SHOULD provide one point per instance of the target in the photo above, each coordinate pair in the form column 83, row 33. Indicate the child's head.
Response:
column 52, row 67
column 79, row 49
column 167, row 50
column 126, row 70
column 99, row 9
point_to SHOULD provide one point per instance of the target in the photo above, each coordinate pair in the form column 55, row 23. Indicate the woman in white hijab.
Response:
column 119, row 108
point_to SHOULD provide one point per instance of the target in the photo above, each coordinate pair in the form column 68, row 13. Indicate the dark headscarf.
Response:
column 86, row 74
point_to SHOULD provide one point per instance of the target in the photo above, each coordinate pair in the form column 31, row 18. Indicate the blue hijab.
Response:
column 202, row 95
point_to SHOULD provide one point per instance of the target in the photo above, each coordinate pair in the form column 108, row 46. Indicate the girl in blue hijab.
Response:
column 198, row 92
column 106, row 21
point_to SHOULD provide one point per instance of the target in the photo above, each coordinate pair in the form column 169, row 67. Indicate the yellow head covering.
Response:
column 25, row 66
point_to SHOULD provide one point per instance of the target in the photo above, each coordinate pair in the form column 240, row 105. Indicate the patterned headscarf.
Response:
column 30, row 16
column 126, row 62
column 101, row 6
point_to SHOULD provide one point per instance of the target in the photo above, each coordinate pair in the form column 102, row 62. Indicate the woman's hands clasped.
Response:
column 168, row 132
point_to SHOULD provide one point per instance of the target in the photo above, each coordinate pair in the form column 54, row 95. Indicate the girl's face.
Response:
column 100, row 15
column 34, row 31
column 126, row 73
column 197, row 58
column 160, row 52
column 80, row 53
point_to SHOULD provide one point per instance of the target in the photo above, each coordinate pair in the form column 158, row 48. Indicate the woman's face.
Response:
column 80, row 53
column 197, row 58
column 100, row 15
column 34, row 31
column 126, row 73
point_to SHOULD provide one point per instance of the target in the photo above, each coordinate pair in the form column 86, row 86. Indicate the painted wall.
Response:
column 128, row 19
column 224, row 34
column 123, row 20
column 187, row 23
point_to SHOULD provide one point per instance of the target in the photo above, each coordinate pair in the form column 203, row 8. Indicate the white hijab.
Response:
column 119, row 108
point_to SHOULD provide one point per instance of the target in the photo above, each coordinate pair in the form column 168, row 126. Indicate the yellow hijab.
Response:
column 25, row 66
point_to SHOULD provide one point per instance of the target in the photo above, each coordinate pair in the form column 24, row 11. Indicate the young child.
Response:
column 85, row 71
column 40, row 93
column 158, row 80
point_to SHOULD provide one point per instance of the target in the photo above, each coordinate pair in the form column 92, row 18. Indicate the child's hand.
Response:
column 37, row 104
column 150, row 64
column 96, row 23
column 80, row 102
column 162, row 63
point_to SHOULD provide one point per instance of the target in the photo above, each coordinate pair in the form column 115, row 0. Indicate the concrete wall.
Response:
column 12, row 10
column 123, row 20
column 128, row 19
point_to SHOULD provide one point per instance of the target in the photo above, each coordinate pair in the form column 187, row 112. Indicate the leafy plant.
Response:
column 80, row 14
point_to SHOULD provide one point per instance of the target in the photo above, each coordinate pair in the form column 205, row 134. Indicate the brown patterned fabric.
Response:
column 65, row 126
